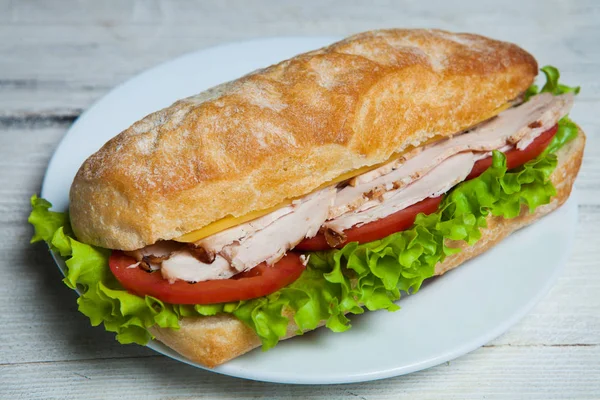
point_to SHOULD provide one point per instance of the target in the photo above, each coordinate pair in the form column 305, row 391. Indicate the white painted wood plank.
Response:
column 492, row 373
column 63, row 57
column 74, row 12
column 39, row 320
column 57, row 57
column 585, row 113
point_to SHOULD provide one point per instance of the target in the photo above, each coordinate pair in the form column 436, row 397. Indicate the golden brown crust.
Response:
column 280, row 132
column 210, row 341
column 214, row 340
column 498, row 228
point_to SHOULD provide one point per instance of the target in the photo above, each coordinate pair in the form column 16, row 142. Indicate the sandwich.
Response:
column 320, row 187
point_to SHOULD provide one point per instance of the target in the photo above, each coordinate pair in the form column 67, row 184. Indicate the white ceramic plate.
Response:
column 449, row 317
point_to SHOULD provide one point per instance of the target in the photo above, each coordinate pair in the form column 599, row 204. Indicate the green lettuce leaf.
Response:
column 373, row 274
column 44, row 221
column 102, row 299
column 567, row 131
column 552, row 85
column 335, row 283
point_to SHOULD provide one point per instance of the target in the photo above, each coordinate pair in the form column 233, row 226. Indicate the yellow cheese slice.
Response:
column 231, row 221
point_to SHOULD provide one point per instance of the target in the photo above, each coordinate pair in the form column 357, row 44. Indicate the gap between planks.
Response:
column 79, row 360
column 39, row 120
column 495, row 346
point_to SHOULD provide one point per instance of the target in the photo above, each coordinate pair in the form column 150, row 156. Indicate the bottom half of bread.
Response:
column 214, row 340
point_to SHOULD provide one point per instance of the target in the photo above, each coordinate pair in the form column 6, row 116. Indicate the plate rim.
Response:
column 571, row 207
column 229, row 369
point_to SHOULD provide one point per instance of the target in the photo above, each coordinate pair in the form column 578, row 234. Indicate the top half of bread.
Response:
column 281, row 132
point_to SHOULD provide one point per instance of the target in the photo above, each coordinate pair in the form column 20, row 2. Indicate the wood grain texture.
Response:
column 536, row 372
column 57, row 57
column 73, row 56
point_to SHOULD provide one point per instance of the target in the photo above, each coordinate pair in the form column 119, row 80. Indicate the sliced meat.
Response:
column 213, row 244
column 201, row 254
column 439, row 180
column 376, row 173
column 265, row 239
column 424, row 172
column 385, row 169
column 558, row 107
column 486, row 154
column 151, row 257
column 520, row 125
column 184, row 266
column 272, row 242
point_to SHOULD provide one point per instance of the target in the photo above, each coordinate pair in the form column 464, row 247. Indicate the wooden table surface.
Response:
column 58, row 57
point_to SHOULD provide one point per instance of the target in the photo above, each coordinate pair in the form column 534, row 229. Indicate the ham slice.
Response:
column 272, row 242
column 439, row 180
column 214, row 244
column 184, row 266
column 520, row 125
column 243, row 247
column 152, row 256
column 424, row 172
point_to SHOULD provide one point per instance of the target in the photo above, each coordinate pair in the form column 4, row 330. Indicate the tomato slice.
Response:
column 264, row 280
column 516, row 158
column 375, row 230
column 404, row 219
column 259, row 281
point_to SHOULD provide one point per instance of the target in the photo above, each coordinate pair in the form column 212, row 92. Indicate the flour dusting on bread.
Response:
column 281, row 132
